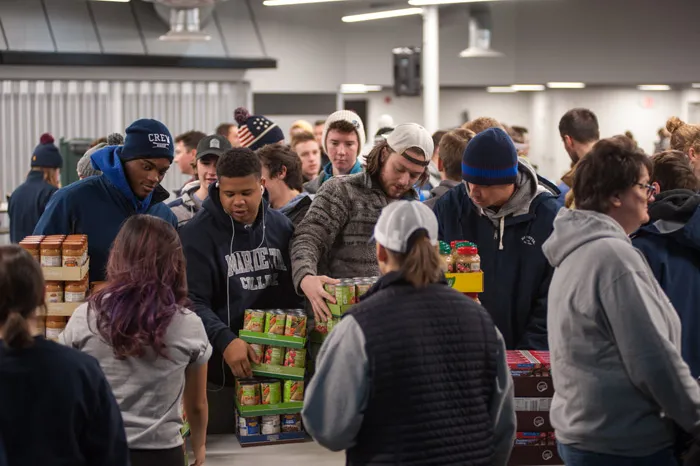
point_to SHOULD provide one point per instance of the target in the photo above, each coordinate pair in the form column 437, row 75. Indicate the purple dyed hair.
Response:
column 146, row 286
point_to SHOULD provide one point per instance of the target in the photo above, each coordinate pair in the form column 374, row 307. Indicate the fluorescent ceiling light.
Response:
column 359, row 88
column 696, row 85
column 500, row 89
column 382, row 15
column 295, row 2
column 528, row 87
column 562, row 85
column 654, row 87
column 116, row 1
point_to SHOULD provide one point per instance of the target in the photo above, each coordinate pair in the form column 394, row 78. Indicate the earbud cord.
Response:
column 228, row 289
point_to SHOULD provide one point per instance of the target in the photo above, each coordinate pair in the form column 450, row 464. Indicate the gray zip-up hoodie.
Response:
column 614, row 339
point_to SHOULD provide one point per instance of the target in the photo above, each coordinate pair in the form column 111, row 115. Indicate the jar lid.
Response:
column 72, row 245
column 30, row 244
column 444, row 248
column 50, row 245
column 468, row 251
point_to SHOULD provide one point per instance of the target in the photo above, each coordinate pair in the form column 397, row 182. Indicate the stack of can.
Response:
column 260, row 391
column 350, row 290
column 287, row 322
column 267, row 425
column 347, row 292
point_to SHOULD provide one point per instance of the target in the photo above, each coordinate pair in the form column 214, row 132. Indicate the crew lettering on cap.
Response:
column 214, row 143
column 161, row 141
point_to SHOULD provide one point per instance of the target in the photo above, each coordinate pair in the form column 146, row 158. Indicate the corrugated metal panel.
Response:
column 90, row 109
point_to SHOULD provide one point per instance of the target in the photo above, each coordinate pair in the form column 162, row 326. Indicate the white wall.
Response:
column 618, row 110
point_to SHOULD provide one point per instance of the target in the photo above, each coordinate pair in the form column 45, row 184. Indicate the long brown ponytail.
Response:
column 421, row 265
column 21, row 294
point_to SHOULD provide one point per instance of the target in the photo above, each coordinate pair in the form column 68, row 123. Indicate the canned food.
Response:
column 293, row 390
column 248, row 426
column 330, row 289
column 332, row 323
column 321, row 327
column 274, row 322
column 362, row 287
column 259, row 350
column 296, row 324
column 345, row 293
column 254, row 320
column 295, row 357
column 271, row 392
column 274, row 355
column 270, row 425
column 249, row 393
column 290, row 423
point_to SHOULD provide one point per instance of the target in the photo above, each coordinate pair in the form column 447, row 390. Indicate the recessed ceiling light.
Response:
column 528, row 87
column 565, row 85
column 654, row 87
column 295, row 2
column 500, row 89
column 382, row 15
column 359, row 88
column 115, row 1
column 696, row 85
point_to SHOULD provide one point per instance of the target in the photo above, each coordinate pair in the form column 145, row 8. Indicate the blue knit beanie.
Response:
column 490, row 159
column 147, row 139
column 46, row 154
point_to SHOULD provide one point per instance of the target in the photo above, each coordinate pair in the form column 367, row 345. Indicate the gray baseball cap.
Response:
column 401, row 219
column 213, row 145
column 407, row 135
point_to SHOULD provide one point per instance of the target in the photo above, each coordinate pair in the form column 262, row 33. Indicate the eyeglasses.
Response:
column 651, row 190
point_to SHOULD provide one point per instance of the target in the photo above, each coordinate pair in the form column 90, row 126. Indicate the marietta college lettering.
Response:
column 261, row 259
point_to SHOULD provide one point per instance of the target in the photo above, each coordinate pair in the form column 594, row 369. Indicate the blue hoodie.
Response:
column 516, row 273
column 671, row 244
column 232, row 267
column 98, row 206
column 27, row 203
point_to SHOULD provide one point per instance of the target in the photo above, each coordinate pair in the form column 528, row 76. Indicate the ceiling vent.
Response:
column 480, row 27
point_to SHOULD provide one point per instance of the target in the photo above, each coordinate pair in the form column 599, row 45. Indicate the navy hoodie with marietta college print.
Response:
column 232, row 267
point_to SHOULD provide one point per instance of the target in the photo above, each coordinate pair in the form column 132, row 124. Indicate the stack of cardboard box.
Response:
column 535, row 443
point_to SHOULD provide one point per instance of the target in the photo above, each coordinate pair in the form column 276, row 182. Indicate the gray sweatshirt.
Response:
column 338, row 393
column 614, row 339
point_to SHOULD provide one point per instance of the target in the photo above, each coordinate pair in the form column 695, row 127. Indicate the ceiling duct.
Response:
column 185, row 18
column 480, row 26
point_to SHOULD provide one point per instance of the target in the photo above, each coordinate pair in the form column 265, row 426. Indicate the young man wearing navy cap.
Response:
column 508, row 211
column 129, row 185
column 29, row 200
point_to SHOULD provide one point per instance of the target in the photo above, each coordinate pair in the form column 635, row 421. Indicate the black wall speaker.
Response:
column 407, row 71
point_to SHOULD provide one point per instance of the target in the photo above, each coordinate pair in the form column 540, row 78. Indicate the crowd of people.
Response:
column 601, row 270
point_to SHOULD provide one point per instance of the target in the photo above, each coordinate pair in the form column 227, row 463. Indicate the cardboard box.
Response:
column 66, row 274
column 533, row 404
column 533, row 387
column 534, row 455
column 533, row 421
column 535, row 438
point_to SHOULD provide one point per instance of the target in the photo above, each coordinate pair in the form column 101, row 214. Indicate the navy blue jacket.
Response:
column 671, row 244
column 516, row 279
column 98, row 206
column 57, row 409
column 27, row 204
column 232, row 267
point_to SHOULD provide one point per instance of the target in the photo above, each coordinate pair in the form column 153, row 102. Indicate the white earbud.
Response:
column 262, row 189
